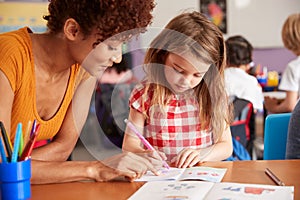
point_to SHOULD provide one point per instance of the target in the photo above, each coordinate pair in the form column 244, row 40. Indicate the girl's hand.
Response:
column 186, row 158
column 155, row 157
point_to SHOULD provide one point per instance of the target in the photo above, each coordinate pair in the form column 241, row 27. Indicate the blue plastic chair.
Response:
column 275, row 136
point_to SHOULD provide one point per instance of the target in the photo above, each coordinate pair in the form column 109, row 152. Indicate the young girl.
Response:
column 181, row 107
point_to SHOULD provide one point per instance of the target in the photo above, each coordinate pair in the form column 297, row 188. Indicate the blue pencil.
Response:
column 2, row 151
column 14, row 157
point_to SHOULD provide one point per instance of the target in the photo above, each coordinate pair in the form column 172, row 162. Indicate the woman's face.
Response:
column 184, row 72
column 102, row 56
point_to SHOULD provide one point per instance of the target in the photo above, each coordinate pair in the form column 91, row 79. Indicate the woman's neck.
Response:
column 49, row 52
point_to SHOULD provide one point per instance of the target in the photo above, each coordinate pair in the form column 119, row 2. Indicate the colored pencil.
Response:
column 14, row 157
column 2, row 151
column 7, row 141
column 29, row 146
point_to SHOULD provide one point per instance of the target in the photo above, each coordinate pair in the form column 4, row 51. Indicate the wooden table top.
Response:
column 239, row 171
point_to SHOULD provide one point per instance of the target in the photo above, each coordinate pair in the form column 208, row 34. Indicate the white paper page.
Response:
column 166, row 174
column 203, row 173
column 170, row 190
column 238, row 191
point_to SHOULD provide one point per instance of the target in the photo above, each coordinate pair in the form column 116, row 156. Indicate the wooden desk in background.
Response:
column 239, row 171
column 280, row 95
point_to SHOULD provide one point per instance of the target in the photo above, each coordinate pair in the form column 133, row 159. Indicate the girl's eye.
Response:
column 178, row 70
column 198, row 75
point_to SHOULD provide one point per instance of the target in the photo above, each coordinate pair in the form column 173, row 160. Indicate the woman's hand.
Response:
column 127, row 164
column 186, row 158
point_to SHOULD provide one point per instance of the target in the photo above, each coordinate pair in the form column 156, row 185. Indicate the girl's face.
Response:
column 102, row 56
column 184, row 72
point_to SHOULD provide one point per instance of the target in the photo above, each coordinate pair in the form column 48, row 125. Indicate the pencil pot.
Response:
column 15, row 180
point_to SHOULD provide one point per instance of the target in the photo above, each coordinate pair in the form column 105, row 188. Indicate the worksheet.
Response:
column 197, row 190
column 202, row 173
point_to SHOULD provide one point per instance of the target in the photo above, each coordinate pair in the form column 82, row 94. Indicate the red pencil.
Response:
column 29, row 146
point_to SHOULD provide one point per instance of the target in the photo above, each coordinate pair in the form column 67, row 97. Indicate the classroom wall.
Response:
column 275, row 59
column 260, row 21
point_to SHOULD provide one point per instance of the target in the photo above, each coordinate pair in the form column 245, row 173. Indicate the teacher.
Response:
column 50, row 78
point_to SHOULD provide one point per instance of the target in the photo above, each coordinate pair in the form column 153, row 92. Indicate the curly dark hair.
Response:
column 239, row 51
column 111, row 17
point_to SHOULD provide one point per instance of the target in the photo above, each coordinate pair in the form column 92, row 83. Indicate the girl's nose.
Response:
column 187, row 79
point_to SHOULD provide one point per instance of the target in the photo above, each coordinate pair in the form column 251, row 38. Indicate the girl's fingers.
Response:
column 181, row 157
column 187, row 158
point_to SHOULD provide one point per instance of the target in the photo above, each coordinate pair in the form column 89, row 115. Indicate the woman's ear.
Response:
column 71, row 29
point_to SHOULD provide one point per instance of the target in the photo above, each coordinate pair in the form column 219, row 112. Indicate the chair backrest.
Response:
column 275, row 136
column 242, row 129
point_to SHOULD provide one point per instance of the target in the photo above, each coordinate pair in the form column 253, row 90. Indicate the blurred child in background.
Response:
column 290, row 80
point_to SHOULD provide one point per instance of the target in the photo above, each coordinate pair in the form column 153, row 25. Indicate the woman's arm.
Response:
column 127, row 165
column 6, row 101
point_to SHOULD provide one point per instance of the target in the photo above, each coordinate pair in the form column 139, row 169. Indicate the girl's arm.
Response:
column 221, row 150
column 131, row 142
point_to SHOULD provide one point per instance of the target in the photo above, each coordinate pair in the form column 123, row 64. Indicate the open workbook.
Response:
column 194, row 173
column 197, row 190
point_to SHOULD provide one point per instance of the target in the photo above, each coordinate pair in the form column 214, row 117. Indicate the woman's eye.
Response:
column 96, row 43
column 111, row 48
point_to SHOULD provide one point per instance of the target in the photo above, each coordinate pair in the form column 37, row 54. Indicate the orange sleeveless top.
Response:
column 16, row 62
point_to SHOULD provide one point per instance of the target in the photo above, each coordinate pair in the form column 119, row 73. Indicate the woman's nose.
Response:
column 118, row 59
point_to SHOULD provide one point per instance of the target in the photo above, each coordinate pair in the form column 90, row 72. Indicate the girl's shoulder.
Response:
column 142, row 90
column 143, row 87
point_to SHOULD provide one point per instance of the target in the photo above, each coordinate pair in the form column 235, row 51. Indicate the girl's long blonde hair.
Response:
column 192, row 33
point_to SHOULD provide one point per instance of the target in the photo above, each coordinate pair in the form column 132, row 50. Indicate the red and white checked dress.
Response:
column 173, row 127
